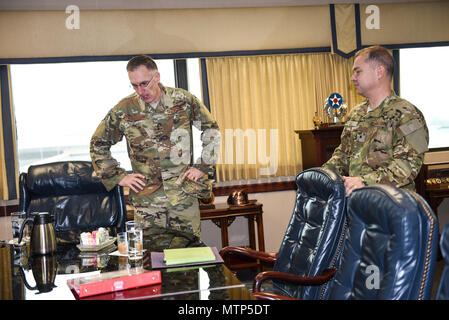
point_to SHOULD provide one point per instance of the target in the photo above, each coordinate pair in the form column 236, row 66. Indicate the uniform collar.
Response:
column 164, row 101
column 391, row 97
column 160, row 105
column 384, row 104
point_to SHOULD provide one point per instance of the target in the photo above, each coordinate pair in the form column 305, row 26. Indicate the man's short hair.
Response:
column 141, row 61
column 379, row 55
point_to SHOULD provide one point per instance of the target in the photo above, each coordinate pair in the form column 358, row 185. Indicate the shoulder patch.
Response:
column 415, row 134
column 410, row 127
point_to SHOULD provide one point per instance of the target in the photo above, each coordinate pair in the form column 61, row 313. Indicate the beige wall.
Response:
column 25, row 34
column 44, row 34
column 408, row 23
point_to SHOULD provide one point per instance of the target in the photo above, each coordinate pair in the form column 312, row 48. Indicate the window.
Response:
column 193, row 78
column 58, row 106
column 423, row 82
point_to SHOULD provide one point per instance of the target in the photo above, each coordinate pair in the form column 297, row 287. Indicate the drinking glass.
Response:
column 122, row 242
column 135, row 240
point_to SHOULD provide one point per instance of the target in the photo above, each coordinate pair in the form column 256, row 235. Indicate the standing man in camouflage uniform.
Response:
column 385, row 137
column 157, row 124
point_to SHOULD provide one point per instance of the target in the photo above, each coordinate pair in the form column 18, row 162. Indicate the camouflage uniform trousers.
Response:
column 170, row 225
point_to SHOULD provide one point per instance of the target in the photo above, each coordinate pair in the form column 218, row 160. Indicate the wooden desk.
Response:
column 223, row 215
column 177, row 283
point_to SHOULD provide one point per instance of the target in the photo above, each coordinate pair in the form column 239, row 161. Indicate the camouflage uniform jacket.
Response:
column 154, row 137
column 385, row 145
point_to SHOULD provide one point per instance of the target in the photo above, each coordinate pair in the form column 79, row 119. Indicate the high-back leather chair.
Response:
column 73, row 195
column 443, row 288
column 390, row 246
column 312, row 242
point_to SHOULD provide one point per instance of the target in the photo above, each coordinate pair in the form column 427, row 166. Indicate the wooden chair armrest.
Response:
column 271, row 296
column 249, row 253
column 293, row 279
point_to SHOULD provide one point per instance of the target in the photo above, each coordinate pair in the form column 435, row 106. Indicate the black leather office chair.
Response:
column 312, row 242
column 73, row 195
column 390, row 248
column 443, row 288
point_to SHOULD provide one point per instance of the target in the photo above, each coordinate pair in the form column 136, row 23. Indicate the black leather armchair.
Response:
column 443, row 288
column 390, row 248
column 312, row 242
column 73, row 195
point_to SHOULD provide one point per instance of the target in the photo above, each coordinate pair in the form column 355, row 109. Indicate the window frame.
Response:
column 179, row 75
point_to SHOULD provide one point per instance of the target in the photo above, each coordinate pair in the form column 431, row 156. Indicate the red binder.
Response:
column 113, row 281
column 142, row 293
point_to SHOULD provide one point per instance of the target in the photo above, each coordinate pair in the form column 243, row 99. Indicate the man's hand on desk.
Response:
column 134, row 182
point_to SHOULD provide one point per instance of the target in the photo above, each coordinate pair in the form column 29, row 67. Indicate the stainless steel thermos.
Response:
column 43, row 239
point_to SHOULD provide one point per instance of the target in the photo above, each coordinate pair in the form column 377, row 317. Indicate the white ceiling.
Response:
column 167, row 4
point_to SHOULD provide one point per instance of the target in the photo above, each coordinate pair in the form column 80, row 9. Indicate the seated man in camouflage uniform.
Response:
column 157, row 124
column 385, row 137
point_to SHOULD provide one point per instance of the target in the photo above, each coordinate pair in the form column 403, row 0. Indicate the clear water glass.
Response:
column 135, row 240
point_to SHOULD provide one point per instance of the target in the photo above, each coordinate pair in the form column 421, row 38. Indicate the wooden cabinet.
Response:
column 432, row 182
column 318, row 145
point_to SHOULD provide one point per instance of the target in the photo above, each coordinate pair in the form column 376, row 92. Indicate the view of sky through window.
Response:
column 58, row 106
column 423, row 82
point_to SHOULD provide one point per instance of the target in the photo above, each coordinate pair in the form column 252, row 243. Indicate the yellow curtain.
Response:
column 8, row 191
column 264, row 99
